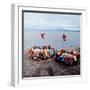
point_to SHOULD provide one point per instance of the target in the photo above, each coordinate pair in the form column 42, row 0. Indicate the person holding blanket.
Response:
column 67, row 57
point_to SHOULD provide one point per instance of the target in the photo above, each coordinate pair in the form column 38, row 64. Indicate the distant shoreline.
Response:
column 52, row 30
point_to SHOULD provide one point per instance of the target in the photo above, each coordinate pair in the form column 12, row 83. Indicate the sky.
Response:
column 45, row 21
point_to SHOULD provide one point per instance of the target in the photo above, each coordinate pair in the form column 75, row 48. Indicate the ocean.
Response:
column 53, row 38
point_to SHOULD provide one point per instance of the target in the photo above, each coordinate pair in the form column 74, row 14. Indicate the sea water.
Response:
column 53, row 38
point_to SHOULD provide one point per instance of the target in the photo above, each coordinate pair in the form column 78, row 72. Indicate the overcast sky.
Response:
column 44, row 21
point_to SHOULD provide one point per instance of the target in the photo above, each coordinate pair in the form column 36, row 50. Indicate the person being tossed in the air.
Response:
column 64, row 37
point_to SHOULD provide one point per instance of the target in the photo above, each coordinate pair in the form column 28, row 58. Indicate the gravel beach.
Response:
column 40, row 68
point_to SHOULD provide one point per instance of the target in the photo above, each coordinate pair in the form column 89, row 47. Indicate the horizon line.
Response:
column 75, row 30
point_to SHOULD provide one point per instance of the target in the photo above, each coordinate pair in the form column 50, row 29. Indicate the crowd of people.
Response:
column 46, row 52
column 37, row 52
column 68, row 56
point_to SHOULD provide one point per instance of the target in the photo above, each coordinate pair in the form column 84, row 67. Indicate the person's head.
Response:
column 58, row 52
column 49, row 46
column 79, row 50
column 62, row 50
column 34, row 47
column 45, row 47
column 71, row 51
column 74, row 52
